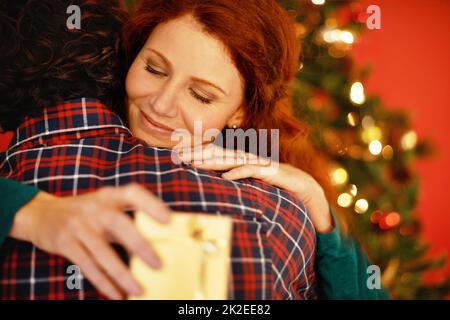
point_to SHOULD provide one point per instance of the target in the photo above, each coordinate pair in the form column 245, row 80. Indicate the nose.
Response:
column 164, row 102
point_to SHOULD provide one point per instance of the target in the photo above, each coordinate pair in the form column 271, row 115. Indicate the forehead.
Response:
column 192, row 50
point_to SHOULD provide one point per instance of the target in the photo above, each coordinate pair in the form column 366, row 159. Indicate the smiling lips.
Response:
column 154, row 125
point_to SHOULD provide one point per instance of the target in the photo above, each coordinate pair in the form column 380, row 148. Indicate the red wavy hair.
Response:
column 260, row 38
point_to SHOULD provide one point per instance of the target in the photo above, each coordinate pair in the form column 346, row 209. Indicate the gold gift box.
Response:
column 195, row 252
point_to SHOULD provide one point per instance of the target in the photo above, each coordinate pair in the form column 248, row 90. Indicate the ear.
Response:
column 237, row 118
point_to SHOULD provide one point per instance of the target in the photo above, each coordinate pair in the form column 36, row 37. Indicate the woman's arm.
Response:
column 13, row 196
column 82, row 228
column 341, row 268
column 341, row 265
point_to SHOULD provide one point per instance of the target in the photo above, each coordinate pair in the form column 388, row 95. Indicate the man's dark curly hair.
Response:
column 42, row 62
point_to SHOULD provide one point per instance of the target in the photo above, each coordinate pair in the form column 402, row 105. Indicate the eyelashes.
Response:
column 194, row 94
column 200, row 98
column 154, row 71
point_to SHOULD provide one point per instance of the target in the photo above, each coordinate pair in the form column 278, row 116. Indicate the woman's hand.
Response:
column 81, row 228
column 240, row 165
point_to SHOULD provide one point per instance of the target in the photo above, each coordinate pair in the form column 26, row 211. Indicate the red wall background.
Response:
column 411, row 71
column 411, row 60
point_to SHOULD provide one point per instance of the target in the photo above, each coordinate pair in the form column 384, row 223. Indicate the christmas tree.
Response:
column 371, row 148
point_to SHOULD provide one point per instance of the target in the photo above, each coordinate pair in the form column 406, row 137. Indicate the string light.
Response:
column 393, row 219
column 409, row 140
column 352, row 119
column 345, row 200
column 367, row 122
column 370, row 134
column 339, row 176
column 353, row 190
column 332, row 35
column 347, row 37
column 388, row 152
column 361, row 206
column 390, row 220
column 357, row 95
column 338, row 51
column 375, row 147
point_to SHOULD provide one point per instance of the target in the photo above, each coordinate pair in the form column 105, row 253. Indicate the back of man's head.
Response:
column 47, row 57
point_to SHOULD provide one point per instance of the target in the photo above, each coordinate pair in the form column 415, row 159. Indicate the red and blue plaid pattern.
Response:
column 80, row 145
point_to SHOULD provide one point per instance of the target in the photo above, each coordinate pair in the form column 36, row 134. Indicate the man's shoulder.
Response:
column 112, row 158
column 134, row 155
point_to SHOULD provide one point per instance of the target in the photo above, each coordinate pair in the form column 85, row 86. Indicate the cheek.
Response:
column 133, row 83
column 214, row 116
column 132, row 114
column 209, row 117
column 139, row 83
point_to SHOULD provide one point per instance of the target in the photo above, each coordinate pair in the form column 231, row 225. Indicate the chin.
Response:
column 154, row 141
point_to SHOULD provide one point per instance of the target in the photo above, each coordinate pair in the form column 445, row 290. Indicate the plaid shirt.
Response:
column 80, row 146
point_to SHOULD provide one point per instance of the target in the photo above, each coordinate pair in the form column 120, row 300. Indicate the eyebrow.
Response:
column 208, row 83
column 166, row 61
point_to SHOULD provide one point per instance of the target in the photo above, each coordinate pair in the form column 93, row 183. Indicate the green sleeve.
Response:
column 13, row 196
column 341, row 268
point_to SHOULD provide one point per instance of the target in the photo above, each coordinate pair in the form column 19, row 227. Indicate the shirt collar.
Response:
column 70, row 116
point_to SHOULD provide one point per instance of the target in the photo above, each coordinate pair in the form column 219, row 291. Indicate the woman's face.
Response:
column 182, row 75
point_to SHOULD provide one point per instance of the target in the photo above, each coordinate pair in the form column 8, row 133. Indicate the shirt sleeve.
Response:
column 13, row 196
column 341, row 268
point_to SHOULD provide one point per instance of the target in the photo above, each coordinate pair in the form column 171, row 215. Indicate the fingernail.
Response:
column 156, row 263
column 165, row 218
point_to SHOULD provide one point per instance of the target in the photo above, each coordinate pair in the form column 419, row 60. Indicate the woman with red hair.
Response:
column 228, row 64
column 246, row 48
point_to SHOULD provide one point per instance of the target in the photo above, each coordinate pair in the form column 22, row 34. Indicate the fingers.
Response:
column 219, row 164
column 202, row 153
column 78, row 255
column 213, row 157
column 109, row 261
column 94, row 253
column 269, row 174
column 139, row 198
column 242, row 172
column 123, row 230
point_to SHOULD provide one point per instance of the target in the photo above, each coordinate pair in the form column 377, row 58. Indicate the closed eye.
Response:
column 197, row 96
column 154, row 71
column 200, row 98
